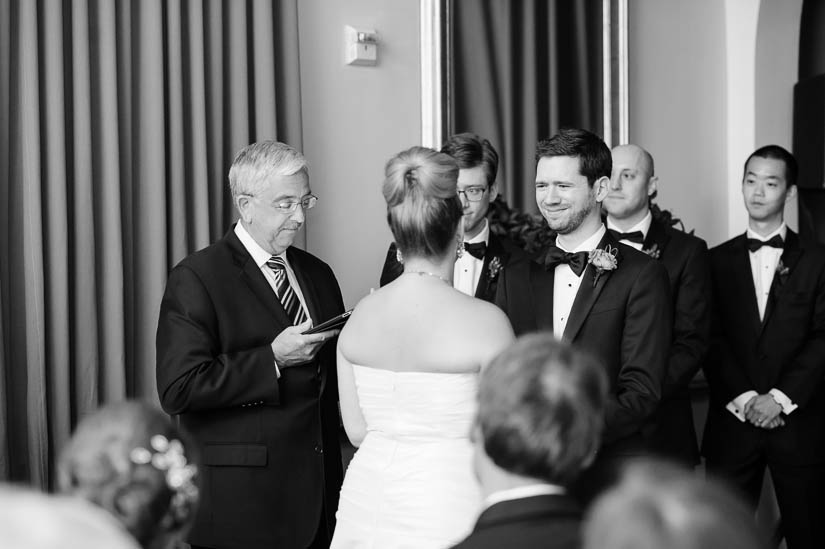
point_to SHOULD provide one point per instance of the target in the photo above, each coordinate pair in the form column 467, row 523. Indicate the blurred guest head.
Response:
column 540, row 414
column 32, row 520
column 657, row 504
column 572, row 178
column 477, row 167
column 632, row 184
column 423, row 209
column 768, row 182
column 270, row 189
column 130, row 460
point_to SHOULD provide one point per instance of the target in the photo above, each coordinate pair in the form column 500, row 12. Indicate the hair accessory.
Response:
column 399, row 256
column 410, row 178
column 168, row 456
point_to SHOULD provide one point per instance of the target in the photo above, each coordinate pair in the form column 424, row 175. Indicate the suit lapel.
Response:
column 656, row 240
column 307, row 287
column 790, row 257
column 588, row 291
column 742, row 277
column 541, row 286
column 486, row 287
column 251, row 275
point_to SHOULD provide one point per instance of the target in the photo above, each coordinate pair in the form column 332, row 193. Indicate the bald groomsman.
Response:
column 632, row 186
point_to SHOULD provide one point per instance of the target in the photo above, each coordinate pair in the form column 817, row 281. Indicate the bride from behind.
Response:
column 408, row 362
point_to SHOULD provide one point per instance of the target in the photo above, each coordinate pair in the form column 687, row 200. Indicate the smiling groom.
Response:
column 600, row 295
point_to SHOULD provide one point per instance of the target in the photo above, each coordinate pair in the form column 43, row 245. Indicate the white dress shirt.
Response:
column 642, row 226
column 763, row 267
column 260, row 257
column 566, row 283
column 467, row 270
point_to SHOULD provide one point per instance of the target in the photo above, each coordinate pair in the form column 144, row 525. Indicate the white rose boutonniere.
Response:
column 782, row 271
column 603, row 261
column 494, row 268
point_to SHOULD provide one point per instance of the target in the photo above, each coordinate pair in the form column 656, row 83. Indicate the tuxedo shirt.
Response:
column 566, row 283
column 468, row 268
column 642, row 226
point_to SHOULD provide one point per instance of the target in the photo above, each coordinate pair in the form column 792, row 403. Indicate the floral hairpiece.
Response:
column 167, row 455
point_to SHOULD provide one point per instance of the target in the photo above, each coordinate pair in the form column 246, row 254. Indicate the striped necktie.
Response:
column 286, row 295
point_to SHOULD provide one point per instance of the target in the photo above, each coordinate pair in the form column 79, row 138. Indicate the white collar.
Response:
column 781, row 231
column 520, row 492
column 259, row 255
column 643, row 226
column 590, row 244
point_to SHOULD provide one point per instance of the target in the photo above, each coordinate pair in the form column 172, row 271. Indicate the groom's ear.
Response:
column 601, row 187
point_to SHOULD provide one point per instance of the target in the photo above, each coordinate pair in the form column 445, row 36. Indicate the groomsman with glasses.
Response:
column 766, row 366
column 485, row 254
column 685, row 257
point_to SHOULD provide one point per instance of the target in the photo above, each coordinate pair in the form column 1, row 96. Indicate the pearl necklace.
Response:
column 427, row 273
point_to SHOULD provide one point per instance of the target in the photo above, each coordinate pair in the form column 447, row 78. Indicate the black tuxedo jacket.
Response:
column 685, row 257
column 506, row 251
column 546, row 522
column 786, row 351
column 269, row 445
column 623, row 318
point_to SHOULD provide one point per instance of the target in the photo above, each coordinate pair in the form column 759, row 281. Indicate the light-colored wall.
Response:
column 709, row 82
column 355, row 118
column 677, row 108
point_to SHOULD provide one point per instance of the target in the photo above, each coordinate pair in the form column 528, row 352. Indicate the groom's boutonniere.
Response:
column 782, row 271
column 494, row 268
column 603, row 261
column 653, row 251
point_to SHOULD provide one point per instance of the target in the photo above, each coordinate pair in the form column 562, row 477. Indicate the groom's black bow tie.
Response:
column 636, row 236
column 774, row 242
column 476, row 249
column 576, row 260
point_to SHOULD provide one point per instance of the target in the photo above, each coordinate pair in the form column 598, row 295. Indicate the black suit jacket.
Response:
column 623, row 318
column 546, row 522
column 269, row 445
column 506, row 252
column 786, row 350
column 685, row 257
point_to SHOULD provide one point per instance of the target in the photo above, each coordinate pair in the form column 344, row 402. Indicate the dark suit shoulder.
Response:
column 681, row 239
column 728, row 246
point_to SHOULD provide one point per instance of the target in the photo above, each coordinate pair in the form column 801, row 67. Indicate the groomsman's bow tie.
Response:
column 476, row 249
column 636, row 236
column 576, row 260
column 774, row 242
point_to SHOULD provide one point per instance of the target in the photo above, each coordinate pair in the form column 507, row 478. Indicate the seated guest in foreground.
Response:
column 539, row 422
column 766, row 367
column 685, row 257
column 130, row 460
column 659, row 505
column 33, row 520
column 476, row 271
column 408, row 363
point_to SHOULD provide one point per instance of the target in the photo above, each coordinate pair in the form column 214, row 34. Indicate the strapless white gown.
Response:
column 411, row 482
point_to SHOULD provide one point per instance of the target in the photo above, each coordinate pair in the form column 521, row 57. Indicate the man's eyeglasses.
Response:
column 289, row 206
column 473, row 194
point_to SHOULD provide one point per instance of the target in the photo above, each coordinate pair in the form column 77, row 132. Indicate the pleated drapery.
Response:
column 520, row 71
column 118, row 122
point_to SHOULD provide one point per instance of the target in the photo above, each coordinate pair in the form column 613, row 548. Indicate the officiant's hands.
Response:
column 293, row 348
column 764, row 412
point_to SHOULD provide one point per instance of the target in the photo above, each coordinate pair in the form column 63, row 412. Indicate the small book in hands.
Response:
column 331, row 324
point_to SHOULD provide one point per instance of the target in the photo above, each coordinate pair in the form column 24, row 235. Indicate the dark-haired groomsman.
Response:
column 595, row 292
column 685, row 258
column 485, row 255
column 766, row 366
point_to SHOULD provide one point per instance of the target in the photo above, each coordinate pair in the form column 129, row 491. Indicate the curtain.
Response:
column 520, row 71
column 118, row 122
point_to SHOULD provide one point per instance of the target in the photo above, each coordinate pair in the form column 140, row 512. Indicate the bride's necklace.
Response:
column 427, row 273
